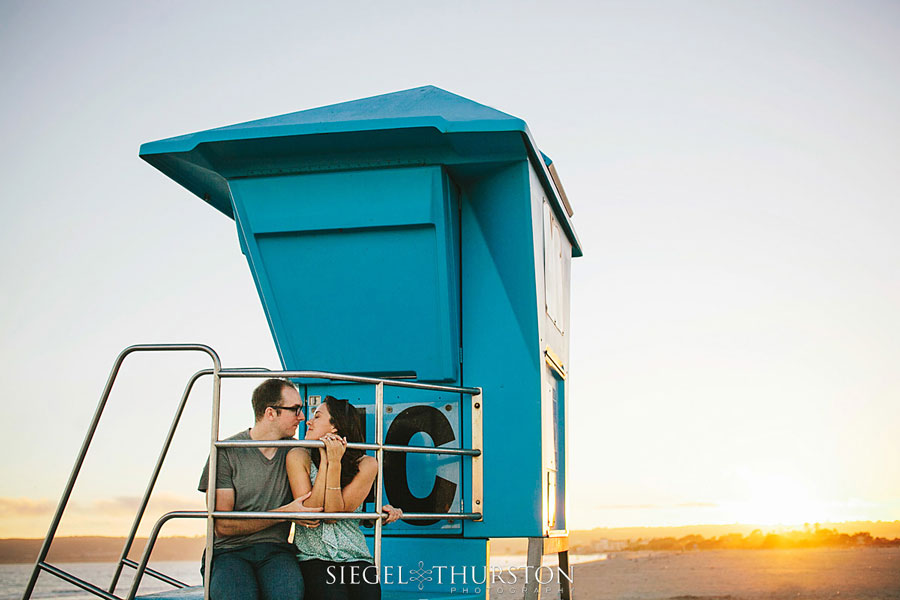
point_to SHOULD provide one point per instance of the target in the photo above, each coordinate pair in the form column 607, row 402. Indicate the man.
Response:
column 251, row 558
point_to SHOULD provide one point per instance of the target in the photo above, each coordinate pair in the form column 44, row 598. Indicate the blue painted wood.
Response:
column 435, row 566
column 349, row 262
column 502, row 347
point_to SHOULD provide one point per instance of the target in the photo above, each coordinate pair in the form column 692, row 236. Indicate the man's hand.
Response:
column 225, row 503
column 297, row 506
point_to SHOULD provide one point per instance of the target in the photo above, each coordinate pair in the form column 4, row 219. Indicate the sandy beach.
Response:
column 812, row 574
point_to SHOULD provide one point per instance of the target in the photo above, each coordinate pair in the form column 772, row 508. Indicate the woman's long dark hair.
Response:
column 345, row 419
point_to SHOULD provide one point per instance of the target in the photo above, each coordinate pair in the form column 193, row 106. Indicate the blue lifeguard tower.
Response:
column 416, row 236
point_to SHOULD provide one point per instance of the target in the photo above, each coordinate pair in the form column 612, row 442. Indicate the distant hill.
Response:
column 583, row 541
column 99, row 549
column 885, row 529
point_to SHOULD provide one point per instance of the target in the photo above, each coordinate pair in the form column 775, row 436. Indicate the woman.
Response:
column 333, row 555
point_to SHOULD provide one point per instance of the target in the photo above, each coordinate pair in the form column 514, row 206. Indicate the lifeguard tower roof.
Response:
column 424, row 125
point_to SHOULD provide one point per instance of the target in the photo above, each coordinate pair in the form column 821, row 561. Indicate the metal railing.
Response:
column 141, row 568
column 378, row 447
column 41, row 564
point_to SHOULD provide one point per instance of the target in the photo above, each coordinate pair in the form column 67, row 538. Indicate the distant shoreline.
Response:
column 108, row 549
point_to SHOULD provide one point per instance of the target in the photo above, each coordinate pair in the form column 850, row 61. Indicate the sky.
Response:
column 733, row 171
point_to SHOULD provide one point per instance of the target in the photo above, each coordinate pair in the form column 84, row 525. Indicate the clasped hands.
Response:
column 334, row 449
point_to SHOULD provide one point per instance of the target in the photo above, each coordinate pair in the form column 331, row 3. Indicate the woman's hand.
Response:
column 335, row 446
column 392, row 515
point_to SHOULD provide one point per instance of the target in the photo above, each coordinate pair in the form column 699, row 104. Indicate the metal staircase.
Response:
column 210, row 514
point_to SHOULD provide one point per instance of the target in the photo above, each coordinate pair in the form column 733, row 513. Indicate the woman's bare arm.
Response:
column 355, row 492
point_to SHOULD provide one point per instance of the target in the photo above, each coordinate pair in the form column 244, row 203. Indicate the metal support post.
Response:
column 379, row 456
column 565, row 591
column 211, row 485
column 557, row 543
column 535, row 559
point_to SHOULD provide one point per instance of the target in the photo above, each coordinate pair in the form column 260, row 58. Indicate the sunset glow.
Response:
column 779, row 500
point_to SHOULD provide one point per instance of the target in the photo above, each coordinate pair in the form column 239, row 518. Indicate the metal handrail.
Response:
column 151, row 541
column 39, row 563
column 77, row 581
column 353, row 445
column 255, row 374
column 367, row 516
column 153, row 573
column 378, row 446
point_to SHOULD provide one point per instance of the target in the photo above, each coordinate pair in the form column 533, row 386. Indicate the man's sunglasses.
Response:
column 297, row 409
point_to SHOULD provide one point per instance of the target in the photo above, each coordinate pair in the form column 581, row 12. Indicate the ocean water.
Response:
column 13, row 579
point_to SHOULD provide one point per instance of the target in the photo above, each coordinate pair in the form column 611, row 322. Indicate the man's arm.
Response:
column 225, row 503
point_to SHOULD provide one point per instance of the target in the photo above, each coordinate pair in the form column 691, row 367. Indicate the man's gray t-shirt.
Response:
column 259, row 484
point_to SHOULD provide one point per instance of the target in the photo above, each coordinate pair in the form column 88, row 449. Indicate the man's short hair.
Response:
column 267, row 394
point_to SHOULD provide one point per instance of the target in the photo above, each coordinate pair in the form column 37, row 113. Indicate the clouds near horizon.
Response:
column 30, row 517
